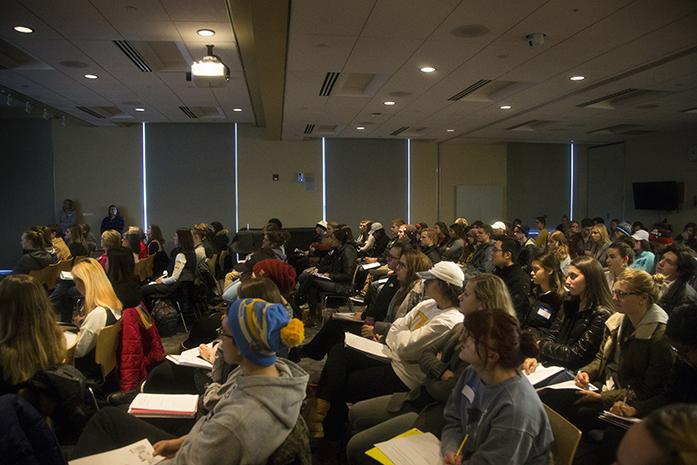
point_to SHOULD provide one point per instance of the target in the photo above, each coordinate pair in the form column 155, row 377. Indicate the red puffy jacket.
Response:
column 141, row 347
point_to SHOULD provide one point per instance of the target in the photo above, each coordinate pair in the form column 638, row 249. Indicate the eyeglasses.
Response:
column 621, row 294
column 223, row 334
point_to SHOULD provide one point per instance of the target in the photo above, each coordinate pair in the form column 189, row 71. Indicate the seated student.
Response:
column 688, row 236
column 76, row 241
column 131, row 241
column 527, row 246
column 363, row 232
column 264, row 394
column 619, row 256
column 667, row 437
column 441, row 230
column 30, row 339
column 271, row 247
column 493, row 405
column 54, row 236
column 101, row 308
column 381, row 418
column 429, row 244
column 200, row 234
column 454, row 244
column 35, row 256
column 541, row 225
column 600, row 241
column 350, row 376
column 505, row 256
column 677, row 265
column 122, row 277
column 89, row 238
column 156, row 247
column 548, row 293
column 375, row 243
column 339, row 267
column 644, row 258
column 681, row 386
column 557, row 245
column 482, row 259
column 406, row 290
column 182, row 269
column 109, row 240
column 142, row 249
column 634, row 359
column 575, row 335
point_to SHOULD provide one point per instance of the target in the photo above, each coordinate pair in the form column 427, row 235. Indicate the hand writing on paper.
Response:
column 582, row 379
column 452, row 459
column 530, row 365
column 368, row 331
column 622, row 409
column 168, row 448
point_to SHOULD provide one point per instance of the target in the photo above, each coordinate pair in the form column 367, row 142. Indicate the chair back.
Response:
column 107, row 343
column 48, row 276
column 295, row 450
column 566, row 438
column 143, row 269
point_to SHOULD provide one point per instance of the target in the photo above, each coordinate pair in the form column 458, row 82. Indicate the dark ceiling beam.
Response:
column 261, row 32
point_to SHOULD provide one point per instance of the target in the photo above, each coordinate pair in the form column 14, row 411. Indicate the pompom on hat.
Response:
column 260, row 329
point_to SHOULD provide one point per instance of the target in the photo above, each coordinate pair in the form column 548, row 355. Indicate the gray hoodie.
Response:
column 250, row 421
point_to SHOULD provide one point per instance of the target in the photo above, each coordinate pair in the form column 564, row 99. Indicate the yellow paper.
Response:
column 376, row 454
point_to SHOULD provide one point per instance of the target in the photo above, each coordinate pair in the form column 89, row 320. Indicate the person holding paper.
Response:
column 494, row 415
column 634, row 359
column 350, row 376
column 259, row 406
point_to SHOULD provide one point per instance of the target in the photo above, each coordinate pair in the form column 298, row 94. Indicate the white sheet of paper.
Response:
column 346, row 316
column 370, row 266
column 164, row 404
column 138, row 453
column 571, row 384
column 66, row 276
column 70, row 339
column 620, row 418
column 419, row 449
column 382, row 281
column 321, row 276
column 542, row 373
column 370, row 348
column 191, row 358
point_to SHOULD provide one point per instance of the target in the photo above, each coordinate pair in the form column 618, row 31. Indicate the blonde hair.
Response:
column 98, row 290
column 562, row 249
column 602, row 230
column 492, row 292
column 111, row 238
column 642, row 282
column 30, row 339
column 462, row 221
column 674, row 428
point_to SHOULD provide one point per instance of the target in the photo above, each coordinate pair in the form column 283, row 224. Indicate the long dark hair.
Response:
column 185, row 239
column 156, row 234
column 551, row 263
column 597, row 291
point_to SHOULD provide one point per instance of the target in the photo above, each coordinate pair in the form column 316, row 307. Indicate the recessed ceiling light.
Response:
column 91, row 76
column 505, row 107
column 140, row 109
column 388, row 102
column 427, row 69
column 360, row 128
column 236, row 109
column 205, row 32
column 23, row 29
column 577, row 78
column 449, row 130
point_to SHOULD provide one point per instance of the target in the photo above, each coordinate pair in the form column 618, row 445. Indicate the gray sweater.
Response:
column 506, row 422
column 250, row 421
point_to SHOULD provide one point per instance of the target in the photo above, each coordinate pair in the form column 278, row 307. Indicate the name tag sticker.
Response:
column 468, row 393
column 544, row 313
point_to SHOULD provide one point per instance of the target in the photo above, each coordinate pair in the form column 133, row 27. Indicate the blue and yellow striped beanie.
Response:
column 261, row 329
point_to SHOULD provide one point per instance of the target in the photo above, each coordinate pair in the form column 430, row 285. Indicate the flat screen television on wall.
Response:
column 666, row 195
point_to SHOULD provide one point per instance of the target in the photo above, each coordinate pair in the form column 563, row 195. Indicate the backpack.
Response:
column 166, row 318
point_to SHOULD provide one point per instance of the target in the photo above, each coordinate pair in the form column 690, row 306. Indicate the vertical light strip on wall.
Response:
column 324, row 183
column 408, row 181
column 145, row 185
column 237, row 203
column 571, row 188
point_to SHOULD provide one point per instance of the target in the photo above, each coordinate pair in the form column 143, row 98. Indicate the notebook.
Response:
column 164, row 406
column 368, row 347
column 138, row 453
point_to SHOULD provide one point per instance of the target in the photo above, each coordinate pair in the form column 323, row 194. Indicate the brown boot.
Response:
column 316, row 411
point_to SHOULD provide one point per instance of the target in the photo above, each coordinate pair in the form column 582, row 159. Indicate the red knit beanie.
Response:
column 282, row 274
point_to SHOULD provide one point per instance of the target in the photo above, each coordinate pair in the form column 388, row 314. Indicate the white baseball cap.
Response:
column 641, row 235
column 449, row 272
column 499, row 225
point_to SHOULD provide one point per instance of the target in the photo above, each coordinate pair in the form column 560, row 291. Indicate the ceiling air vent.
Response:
column 328, row 84
column 133, row 55
column 531, row 126
column 616, row 129
column 623, row 98
column 325, row 129
column 399, row 131
column 469, row 90
column 187, row 111
column 309, row 128
column 90, row 112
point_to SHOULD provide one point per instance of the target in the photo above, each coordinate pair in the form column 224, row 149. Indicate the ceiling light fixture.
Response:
column 237, row 109
column 360, row 128
column 140, row 109
column 91, row 76
column 505, row 107
column 210, row 71
column 427, row 69
column 388, row 103
column 577, row 78
column 205, row 32
column 449, row 130
column 23, row 29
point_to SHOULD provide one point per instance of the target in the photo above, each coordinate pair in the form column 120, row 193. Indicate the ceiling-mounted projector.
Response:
column 210, row 71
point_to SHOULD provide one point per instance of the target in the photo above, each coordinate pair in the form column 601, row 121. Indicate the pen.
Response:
column 462, row 444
